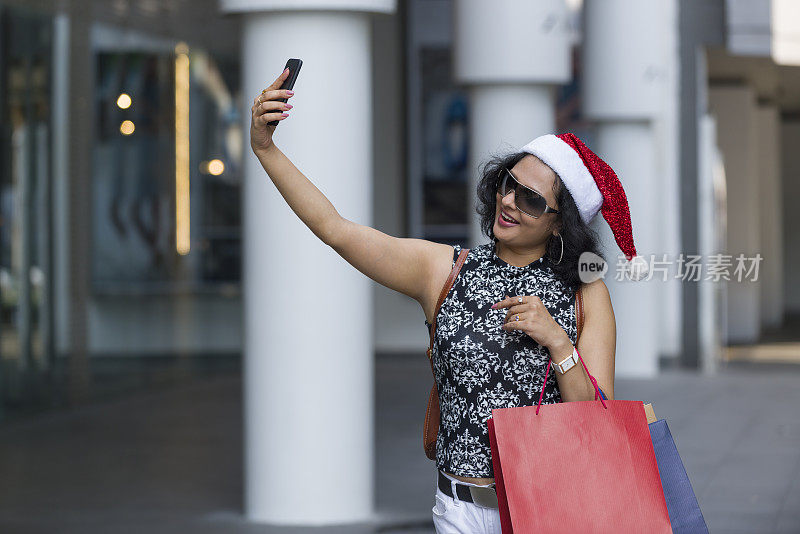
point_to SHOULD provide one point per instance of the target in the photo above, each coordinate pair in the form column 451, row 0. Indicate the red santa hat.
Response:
column 594, row 186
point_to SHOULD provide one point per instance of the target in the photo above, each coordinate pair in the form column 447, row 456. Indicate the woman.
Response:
column 510, row 310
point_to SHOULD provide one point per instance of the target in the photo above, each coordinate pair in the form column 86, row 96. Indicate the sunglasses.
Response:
column 528, row 201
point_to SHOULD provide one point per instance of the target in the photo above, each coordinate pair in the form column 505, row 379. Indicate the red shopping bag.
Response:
column 585, row 466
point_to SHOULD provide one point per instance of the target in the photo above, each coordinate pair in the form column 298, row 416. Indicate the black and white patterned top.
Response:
column 478, row 366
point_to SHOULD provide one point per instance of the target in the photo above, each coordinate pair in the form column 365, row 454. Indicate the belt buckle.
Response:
column 484, row 496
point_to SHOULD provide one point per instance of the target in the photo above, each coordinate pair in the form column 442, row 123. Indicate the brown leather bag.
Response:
column 432, row 414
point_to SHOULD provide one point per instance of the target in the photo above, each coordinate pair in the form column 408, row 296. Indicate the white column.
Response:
column 308, row 347
column 625, row 90
column 629, row 149
column 734, row 108
column 511, row 72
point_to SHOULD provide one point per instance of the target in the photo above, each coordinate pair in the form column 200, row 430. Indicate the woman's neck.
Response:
column 519, row 258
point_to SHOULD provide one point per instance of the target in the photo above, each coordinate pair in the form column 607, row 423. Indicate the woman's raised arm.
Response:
column 414, row 267
column 305, row 199
column 406, row 265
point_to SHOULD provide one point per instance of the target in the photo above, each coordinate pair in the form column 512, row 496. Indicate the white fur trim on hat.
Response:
column 562, row 158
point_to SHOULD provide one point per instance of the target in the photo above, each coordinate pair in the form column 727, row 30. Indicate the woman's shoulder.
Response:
column 595, row 287
column 596, row 295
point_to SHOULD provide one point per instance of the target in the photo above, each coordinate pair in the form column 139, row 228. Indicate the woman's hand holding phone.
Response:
column 266, row 108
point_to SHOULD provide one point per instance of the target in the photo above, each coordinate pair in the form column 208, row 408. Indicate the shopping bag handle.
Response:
column 597, row 391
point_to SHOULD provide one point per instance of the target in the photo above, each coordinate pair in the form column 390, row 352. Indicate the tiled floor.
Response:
column 169, row 461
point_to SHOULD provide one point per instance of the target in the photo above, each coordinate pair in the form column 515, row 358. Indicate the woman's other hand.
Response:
column 267, row 108
column 534, row 320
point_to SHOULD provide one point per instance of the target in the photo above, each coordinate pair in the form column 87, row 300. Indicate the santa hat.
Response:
column 594, row 186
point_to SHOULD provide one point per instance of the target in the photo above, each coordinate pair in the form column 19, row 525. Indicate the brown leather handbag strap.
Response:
column 462, row 256
column 579, row 312
column 432, row 415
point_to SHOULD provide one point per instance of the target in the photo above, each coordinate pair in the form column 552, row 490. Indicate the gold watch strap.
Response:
column 572, row 357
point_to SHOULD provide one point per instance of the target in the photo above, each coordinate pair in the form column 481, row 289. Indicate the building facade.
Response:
column 141, row 240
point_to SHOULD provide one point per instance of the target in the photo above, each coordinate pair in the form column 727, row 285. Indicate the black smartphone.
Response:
column 293, row 65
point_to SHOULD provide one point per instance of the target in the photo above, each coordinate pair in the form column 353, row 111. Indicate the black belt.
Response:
column 483, row 496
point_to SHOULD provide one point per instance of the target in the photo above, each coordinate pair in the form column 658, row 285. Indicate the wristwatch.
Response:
column 567, row 363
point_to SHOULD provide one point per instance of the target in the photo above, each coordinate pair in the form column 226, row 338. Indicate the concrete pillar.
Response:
column 770, row 273
column 78, row 191
column 511, row 73
column 308, row 347
column 734, row 108
column 625, row 90
column 61, row 177
column 712, row 322
column 790, row 188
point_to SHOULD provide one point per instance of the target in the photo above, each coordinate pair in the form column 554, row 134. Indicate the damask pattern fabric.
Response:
column 478, row 366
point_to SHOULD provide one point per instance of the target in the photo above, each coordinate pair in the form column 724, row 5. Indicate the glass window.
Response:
column 25, row 213
column 445, row 143
column 150, row 233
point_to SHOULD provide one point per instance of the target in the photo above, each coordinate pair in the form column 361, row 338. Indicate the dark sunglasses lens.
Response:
column 527, row 200
column 530, row 202
column 502, row 184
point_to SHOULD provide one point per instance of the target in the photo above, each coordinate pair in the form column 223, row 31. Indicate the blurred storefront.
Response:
column 120, row 177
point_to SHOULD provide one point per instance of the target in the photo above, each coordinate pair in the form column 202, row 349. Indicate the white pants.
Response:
column 451, row 515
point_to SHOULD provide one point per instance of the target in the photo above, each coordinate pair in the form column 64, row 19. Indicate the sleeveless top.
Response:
column 478, row 366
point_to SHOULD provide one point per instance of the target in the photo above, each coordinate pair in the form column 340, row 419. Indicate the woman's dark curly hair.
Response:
column 578, row 236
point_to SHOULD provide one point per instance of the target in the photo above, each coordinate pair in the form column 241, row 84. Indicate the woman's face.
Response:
column 530, row 171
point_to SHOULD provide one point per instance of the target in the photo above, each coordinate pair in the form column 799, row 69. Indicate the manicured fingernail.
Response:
column 289, row 92
column 494, row 306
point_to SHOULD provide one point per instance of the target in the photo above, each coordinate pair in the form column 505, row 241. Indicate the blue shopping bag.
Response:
column 684, row 511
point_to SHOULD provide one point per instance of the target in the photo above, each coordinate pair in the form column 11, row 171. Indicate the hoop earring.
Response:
column 562, row 251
